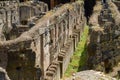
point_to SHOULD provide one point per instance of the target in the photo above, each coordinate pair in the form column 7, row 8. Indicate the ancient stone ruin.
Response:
column 104, row 45
column 37, row 39
column 34, row 46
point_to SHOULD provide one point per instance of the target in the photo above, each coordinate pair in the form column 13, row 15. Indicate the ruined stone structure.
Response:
column 37, row 44
column 15, row 18
column 104, row 46
column 44, row 51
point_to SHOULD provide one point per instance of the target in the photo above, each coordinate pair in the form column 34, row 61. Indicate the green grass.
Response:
column 79, row 58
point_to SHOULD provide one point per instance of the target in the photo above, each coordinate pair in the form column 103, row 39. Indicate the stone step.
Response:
column 53, row 66
column 55, row 63
column 63, row 51
column 52, row 69
column 62, row 55
column 49, row 73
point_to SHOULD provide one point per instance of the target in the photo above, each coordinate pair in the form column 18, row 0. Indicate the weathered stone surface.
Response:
column 103, row 49
column 51, row 40
column 16, row 18
column 90, row 75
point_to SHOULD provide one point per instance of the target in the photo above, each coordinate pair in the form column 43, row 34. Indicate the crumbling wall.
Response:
column 103, row 49
column 53, row 40
column 19, row 17
column 29, row 10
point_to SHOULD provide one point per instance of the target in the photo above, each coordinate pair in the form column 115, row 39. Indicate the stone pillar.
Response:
column 56, row 32
column 46, row 39
column 9, row 18
column 66, row 31
column 38, row 51
column 54, row 36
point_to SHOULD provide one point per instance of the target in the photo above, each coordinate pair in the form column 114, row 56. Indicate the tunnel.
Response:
column 88, row 6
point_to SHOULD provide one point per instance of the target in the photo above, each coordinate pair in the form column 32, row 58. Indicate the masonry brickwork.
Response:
column 43, row 51
column 104, row 45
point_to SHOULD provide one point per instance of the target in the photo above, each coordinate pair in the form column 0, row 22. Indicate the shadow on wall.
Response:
column 83, row 60
column 88, row 5
column 21, row 0
column 21, row 65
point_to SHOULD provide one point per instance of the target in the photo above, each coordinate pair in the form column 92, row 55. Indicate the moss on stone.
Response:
column 79, row 58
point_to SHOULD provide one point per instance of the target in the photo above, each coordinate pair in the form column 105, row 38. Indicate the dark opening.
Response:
column 118, row 74
column 24, row 22
column 2, row 76
column 61, row 70
column 0, row 60
column 21, row 0
column 88, row 5
column 108, row 66
column 38, row 73
column 64, row 1
column 18, row 68
column 104, row 1
column 46, row 1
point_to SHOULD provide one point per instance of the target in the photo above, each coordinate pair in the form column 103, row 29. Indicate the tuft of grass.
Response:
column 79, row 57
